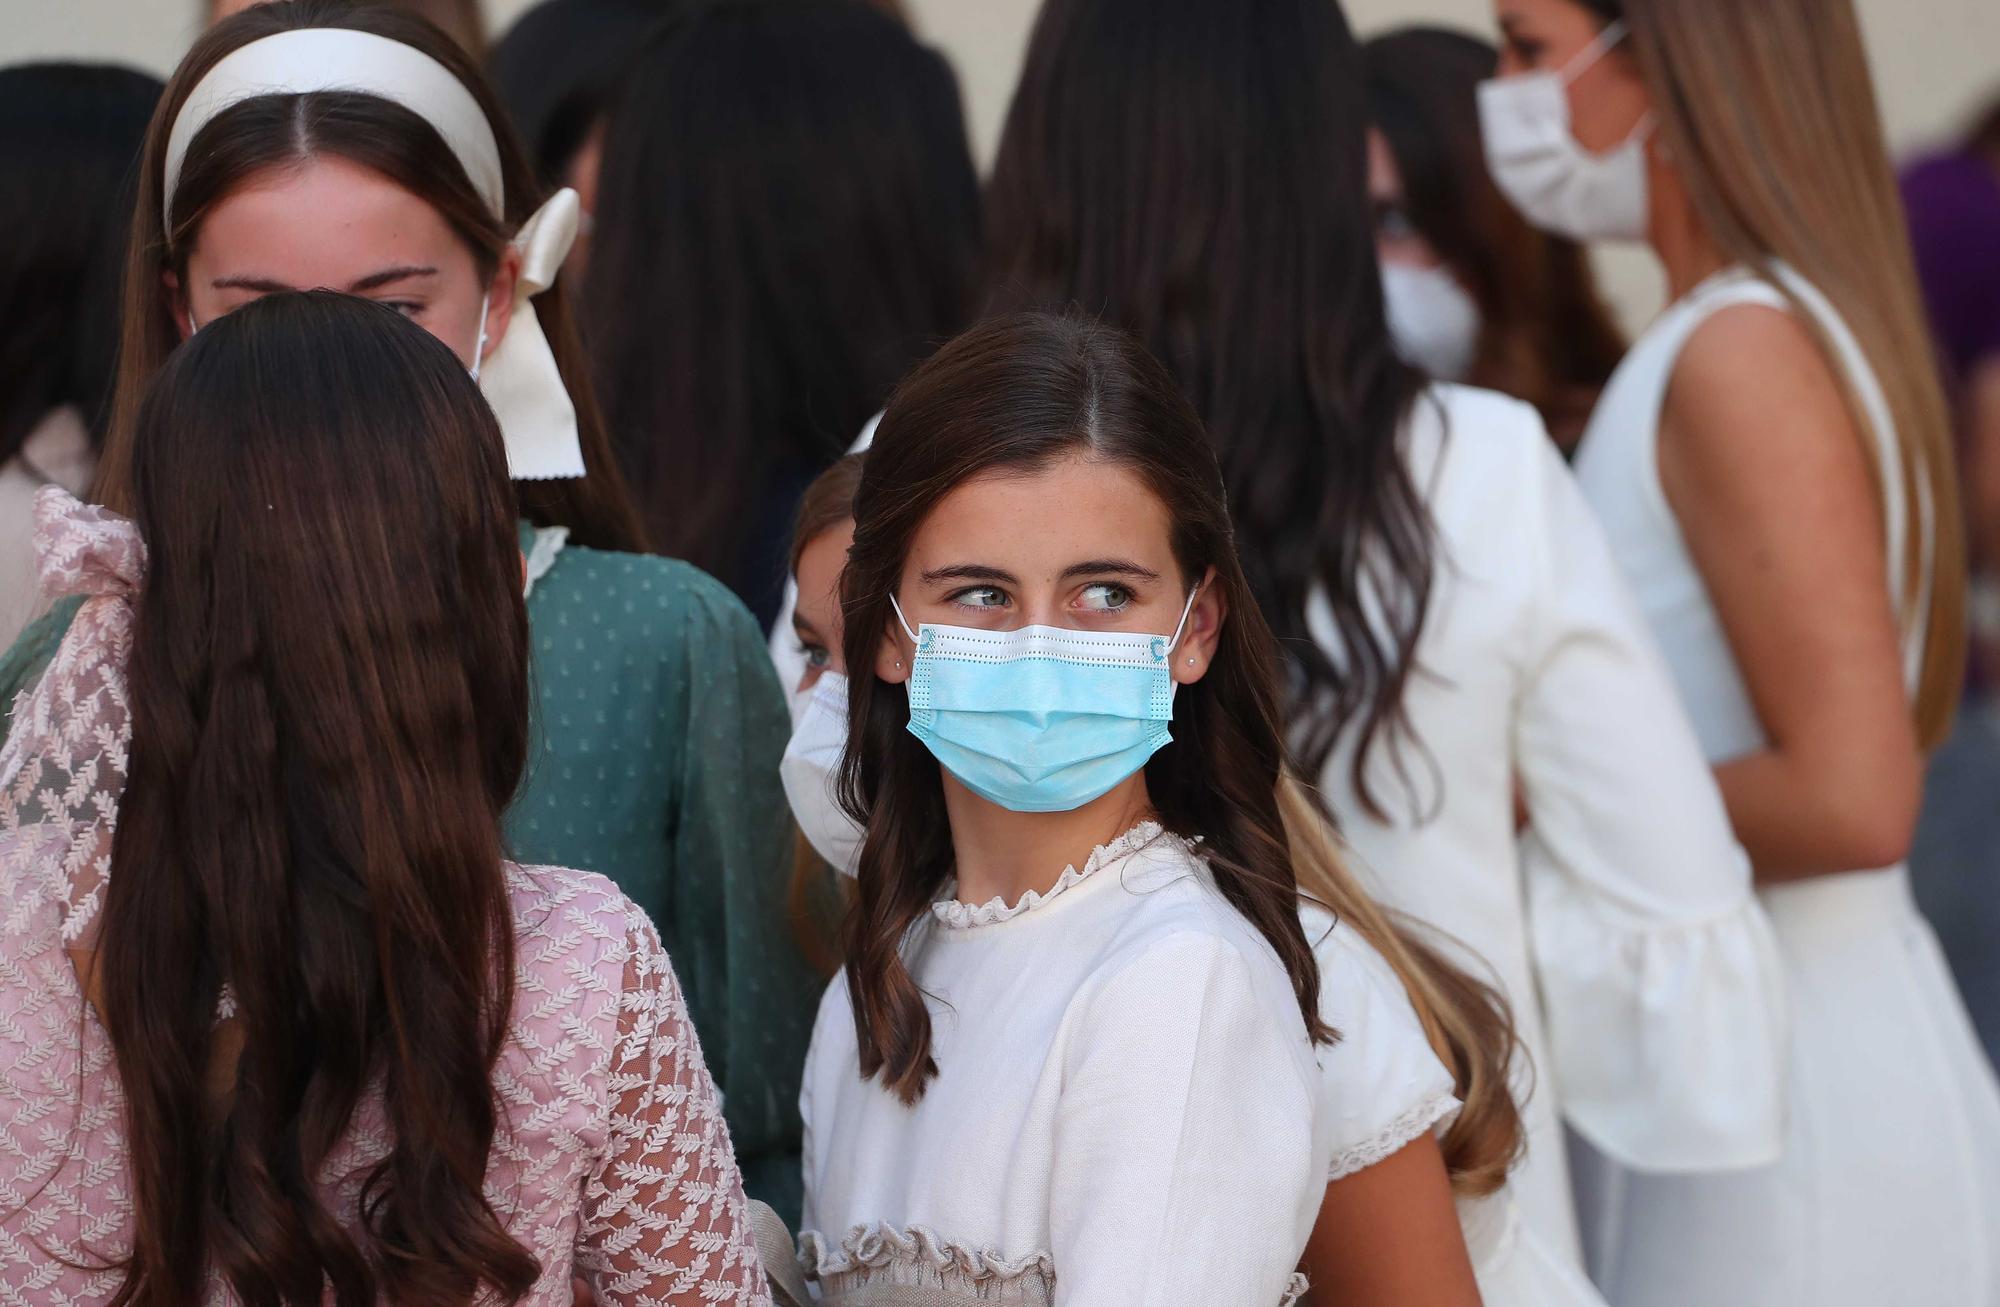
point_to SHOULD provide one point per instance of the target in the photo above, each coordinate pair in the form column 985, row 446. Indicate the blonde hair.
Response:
column 1467, row 1022
column 1769, row 112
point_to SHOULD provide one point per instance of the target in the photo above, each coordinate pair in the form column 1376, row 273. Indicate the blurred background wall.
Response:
column 1935, row 61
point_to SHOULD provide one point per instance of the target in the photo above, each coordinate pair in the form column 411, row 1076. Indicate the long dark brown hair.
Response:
column 1016, row 394
column 787, row 221
column 329, row 715
column 1546, row 336
column 1195, row 171
column 278, row 130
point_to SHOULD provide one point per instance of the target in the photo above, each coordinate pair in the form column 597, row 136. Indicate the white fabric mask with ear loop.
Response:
column 1433, row 322
column 1538, row 164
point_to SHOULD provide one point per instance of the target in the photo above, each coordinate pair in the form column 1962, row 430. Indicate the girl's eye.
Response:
column 408, row 308
column 981, row 596
column 818, row 656
column 1106, row 597
column 1527, row 50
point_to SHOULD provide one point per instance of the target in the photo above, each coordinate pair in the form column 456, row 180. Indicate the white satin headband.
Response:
column 520, row 378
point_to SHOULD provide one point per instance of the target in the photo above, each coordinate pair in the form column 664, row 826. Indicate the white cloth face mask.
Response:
column 1537, row 163
column 811, row 768
column 1433, row 322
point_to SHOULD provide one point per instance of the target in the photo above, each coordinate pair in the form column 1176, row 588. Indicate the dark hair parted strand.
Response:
column 1015, row 395
column 280, row 130
column 1546, row 336
column 788, row 220
column 1195, row 171
column 69, row 145
column 329, row 715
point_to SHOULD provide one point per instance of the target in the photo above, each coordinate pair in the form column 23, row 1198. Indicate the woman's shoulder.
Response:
column 1487, row 469
column 1172, row 918
column 561, row 915
column 640, row 589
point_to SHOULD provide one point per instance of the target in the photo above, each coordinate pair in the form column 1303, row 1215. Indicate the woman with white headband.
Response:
column 308, row 144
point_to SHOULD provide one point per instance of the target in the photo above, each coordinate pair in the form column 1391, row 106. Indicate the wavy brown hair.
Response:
column 329, row 715
column 1195, row 171
column 1017, row 394
column 275, row 131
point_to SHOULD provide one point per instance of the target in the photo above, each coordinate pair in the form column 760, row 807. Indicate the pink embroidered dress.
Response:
column 611, row 1162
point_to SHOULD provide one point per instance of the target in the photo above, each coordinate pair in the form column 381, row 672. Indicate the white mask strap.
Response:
column 901, row 620
column 479, row 350
column 1193, row 595
column 1593, row 54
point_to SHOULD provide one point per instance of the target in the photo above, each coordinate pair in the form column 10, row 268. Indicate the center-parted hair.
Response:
column 1015, row 395
column 329, row 715
column 273, row 132
column 1011, row 396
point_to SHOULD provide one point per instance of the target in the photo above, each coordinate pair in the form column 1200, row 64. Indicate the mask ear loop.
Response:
column 1186, row 612
column 479, row 350
column 903, row 621
column 1593, row 54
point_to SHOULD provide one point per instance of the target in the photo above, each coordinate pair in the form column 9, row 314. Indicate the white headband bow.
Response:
column 520, row 379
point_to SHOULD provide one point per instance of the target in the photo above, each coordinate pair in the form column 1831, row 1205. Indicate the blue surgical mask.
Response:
column 1041, row 719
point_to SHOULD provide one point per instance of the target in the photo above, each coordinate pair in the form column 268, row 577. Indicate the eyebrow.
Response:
column 969, row 572
column 1110, row 567
column 373, row 281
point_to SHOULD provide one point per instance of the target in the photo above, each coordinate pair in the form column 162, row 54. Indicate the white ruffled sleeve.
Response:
column 1381, row 1085
column 1660, row 978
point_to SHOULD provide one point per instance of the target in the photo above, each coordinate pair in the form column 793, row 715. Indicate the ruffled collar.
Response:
column 83, row 549
column 954, row 914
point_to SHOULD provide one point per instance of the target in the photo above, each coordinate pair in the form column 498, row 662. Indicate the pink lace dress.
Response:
column 612, row 1162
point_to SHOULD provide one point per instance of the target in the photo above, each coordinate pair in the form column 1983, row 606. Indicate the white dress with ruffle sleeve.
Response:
column 1124, row 1112
column 1622, row 926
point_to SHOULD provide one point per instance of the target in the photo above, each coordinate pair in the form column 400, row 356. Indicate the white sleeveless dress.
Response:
column 1888, row 1190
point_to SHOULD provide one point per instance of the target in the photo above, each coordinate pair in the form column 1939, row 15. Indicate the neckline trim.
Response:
column 955, row 914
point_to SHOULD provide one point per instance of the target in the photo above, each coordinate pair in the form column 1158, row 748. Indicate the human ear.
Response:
column 500, row 299
column 892, row 659
column 1195, row 654
column 177, row 304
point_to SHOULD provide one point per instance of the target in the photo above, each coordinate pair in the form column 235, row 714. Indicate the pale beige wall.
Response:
column 1934, row 60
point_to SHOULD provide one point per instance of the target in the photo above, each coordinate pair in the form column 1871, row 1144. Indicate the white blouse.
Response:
column 1124, row 1110
column 1622, row 926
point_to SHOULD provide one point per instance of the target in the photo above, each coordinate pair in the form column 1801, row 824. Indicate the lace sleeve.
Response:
column 664, row 1218
column 62, row 769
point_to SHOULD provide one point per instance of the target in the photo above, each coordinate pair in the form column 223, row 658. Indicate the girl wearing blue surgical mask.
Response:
column 1772, row 464
column 1072, row 1059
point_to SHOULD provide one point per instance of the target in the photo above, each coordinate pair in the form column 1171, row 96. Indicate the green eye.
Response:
column 981, row 596
column 1106, row 598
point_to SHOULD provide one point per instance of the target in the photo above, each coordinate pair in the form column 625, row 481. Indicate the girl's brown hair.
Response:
column 329, row 702
column 279, row 130
column 1769, row 115
column 1014, row 395
column 1546, row 336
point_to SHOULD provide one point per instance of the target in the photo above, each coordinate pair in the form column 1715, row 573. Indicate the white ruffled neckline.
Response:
column 955, row 914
